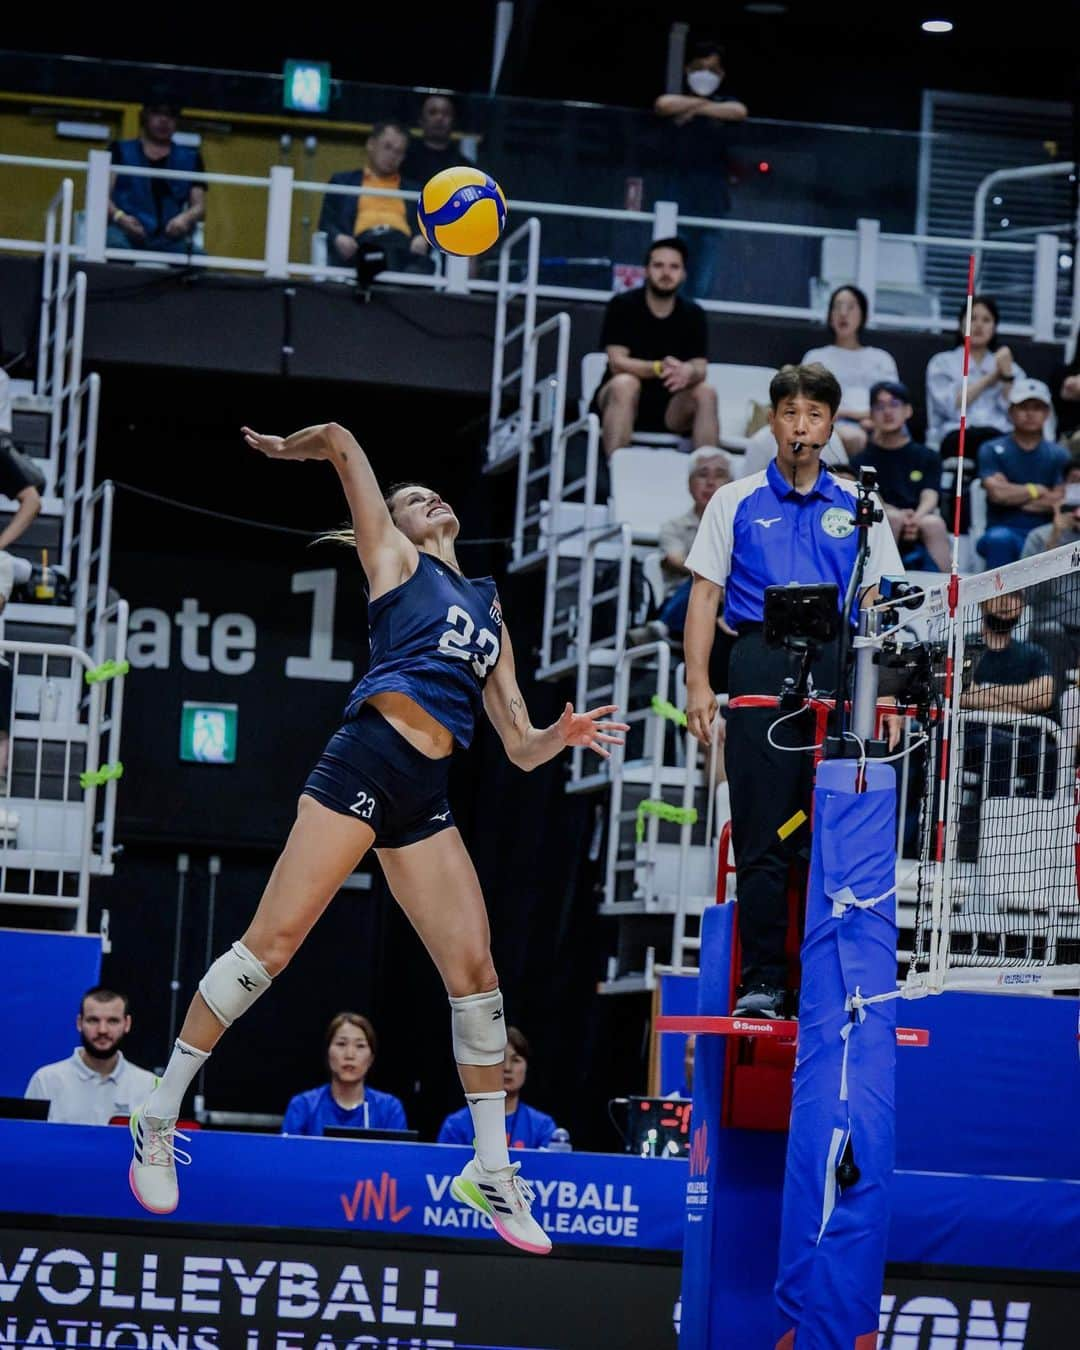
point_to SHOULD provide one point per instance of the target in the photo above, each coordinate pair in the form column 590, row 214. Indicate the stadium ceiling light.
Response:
column 937, row 26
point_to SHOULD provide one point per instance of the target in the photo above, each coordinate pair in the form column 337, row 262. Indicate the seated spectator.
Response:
column 855, row 366
column 1012, row 678
column 435, row 149
column 387, row 223
column 95, row 1082
column 156, row 214
column 991, row 372
column 908, row 475
column 346, row 1101
column 696, row 150
column 525, row 1126
column 1055, row 604
column 657, row 350
column 709, row 470
column 1067, row 396
column 1022, row 475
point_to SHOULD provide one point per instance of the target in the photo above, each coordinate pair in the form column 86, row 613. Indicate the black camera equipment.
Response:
column 802, row 619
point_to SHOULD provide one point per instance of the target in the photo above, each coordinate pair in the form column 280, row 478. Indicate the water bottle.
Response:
column 560, row 1142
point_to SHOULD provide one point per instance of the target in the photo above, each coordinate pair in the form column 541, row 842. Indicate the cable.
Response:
column 794, row 749
column 313, row 535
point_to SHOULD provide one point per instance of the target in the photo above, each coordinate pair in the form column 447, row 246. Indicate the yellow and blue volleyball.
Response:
column 461, row 211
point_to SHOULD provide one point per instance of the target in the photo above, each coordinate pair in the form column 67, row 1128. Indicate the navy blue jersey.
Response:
column 435, row 638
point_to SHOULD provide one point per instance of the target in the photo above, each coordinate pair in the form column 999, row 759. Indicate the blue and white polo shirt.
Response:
column 758, row 532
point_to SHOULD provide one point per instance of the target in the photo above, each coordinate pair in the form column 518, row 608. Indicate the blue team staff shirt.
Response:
column 436, row 638
column 525, row 1128
column 312, row 1112
column 758, row 532
column 1046, row 465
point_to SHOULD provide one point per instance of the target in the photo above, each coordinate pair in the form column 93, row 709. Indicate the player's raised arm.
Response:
column 379, row 542
column 525, row 745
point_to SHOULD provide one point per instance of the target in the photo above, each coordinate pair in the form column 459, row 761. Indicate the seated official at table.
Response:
column 95, row 1082
column 346, row 1100
column 525, row 1126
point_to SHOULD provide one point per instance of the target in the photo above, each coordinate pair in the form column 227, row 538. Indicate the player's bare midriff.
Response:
column 418, row 727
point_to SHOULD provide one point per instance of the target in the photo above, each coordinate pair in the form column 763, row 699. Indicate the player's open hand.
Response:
column 588, row 730
column 301, row 446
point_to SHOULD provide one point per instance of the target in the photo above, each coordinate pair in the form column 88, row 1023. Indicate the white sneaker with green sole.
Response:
column 507, row 1201
column 152, row 1175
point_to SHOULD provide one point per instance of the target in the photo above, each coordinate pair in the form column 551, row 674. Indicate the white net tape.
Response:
column 996, row 902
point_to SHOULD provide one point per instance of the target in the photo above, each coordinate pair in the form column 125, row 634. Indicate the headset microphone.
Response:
column 797, row 447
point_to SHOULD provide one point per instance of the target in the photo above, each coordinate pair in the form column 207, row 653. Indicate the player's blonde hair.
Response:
column 345, row 534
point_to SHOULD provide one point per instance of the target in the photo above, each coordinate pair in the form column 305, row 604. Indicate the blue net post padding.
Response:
column 833, row 1235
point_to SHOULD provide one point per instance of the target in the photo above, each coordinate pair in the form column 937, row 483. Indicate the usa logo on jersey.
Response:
column 496, row 610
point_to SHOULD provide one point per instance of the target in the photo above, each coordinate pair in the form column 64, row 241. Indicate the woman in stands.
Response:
column 439, row 650
column 346, row 1101
column 991, row 375
column 858, row 368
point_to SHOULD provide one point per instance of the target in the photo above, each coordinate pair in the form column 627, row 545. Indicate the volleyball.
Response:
column 461, row 211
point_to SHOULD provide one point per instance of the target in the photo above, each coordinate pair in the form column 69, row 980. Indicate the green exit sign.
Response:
column 208, row 733
column 307, row 86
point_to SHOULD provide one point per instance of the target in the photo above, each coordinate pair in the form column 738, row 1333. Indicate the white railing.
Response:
column 515, row 320
column 63, row 725
column 664, row 219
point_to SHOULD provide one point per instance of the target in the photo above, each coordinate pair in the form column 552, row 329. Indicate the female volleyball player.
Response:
column 438, row 649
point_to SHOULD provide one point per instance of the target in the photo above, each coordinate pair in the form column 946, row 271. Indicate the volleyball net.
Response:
column 997, row 898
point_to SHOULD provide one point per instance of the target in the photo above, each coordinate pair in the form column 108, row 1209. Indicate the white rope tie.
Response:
column 845, row 899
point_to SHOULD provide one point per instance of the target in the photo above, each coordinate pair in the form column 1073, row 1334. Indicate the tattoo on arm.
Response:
column 517, row 706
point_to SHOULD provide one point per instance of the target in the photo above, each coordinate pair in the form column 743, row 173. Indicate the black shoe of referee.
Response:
column 760, row 1000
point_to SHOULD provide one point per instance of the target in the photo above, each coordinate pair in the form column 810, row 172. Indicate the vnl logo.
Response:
column 373, row 1201
column 938, row 1322
column 697, row 1184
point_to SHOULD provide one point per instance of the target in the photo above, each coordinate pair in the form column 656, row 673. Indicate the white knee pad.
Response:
column 479, row 1029
column 233, row 983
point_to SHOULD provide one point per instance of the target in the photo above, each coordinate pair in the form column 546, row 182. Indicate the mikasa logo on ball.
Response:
column 837, row 522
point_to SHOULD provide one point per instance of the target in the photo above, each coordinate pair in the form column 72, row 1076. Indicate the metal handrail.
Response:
column 1045, row 323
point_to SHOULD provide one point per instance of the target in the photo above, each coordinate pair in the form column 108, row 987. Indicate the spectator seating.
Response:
column 900, row 288
column 647, row 487
column 737, row 388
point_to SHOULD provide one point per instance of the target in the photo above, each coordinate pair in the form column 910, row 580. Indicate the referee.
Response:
column 793, row 522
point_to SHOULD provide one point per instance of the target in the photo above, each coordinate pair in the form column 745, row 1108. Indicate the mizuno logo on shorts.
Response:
column 441, row 816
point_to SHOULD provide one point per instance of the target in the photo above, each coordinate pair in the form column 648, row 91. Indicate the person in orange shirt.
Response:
column 352, row 224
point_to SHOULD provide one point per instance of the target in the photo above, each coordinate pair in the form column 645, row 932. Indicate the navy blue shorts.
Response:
column 370, row 771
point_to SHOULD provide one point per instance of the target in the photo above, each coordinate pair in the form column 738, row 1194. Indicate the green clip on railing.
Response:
column 108, row 670
column 662, row 708
column 99, row 777
column 678, row 815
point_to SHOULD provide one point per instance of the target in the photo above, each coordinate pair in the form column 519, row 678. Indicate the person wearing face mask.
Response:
column 1022, row 475
column 792, row 523
column 1006, row 677
column 346, row 1100
column 698, row 156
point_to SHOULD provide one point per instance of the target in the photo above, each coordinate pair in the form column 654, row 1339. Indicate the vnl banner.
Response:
column 590, row 1199
column 167, row 1292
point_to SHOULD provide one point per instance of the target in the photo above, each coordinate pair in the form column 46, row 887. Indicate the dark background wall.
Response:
column 845, row 61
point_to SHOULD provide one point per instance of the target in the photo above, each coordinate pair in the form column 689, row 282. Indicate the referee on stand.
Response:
column 794, row 522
